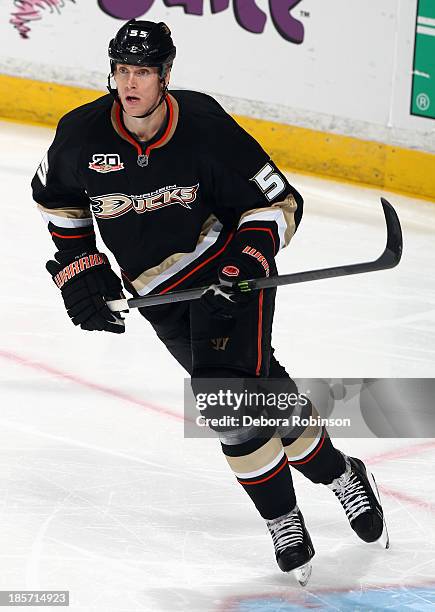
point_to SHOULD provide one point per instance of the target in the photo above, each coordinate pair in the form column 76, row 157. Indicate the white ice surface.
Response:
column 100, row 493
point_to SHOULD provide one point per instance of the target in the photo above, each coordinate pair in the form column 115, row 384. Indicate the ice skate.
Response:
column 358, row 494
column 293, row 546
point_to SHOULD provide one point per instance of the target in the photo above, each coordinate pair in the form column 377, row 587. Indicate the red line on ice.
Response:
column 306, row 598
column 78, row 380
column 398, row 453
column 47, row 369
column 414, row 501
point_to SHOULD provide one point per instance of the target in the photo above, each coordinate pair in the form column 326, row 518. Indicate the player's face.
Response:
column 139, row 87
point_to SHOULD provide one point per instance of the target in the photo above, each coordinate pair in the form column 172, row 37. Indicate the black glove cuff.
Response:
column 86, row 261
column 251, row 254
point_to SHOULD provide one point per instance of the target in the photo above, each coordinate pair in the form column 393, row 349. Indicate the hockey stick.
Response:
column 389, row 259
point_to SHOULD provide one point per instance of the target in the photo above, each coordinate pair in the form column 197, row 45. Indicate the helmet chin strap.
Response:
column 115, row 94
column 150, row 112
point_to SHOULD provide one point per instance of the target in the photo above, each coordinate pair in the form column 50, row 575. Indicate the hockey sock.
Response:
column 261, row 468
column 314, row 456
column 259, row 463
column 310, row 451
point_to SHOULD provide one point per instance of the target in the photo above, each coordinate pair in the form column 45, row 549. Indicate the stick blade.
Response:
column 393, row 250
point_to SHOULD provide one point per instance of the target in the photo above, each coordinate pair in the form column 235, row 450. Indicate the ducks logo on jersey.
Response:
column 114, row 205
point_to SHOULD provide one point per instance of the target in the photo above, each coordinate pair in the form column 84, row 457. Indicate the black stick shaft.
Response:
column 389, row 259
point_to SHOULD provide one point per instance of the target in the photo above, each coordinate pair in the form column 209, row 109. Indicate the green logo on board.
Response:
column 423, row 75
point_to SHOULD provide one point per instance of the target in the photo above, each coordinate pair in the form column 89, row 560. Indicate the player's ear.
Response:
column 168, row 76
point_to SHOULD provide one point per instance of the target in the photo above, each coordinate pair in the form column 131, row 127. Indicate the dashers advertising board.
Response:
column 423, row 87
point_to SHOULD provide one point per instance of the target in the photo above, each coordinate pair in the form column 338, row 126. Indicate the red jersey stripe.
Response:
column 203, row 263
column 260, row 333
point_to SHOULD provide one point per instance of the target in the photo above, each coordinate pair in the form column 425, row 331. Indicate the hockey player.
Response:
column 183, row 196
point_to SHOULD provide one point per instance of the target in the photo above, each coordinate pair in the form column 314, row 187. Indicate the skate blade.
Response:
column 384, row 540
column 303, row 573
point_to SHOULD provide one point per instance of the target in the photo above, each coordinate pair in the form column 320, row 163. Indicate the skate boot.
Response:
column 293, row 546
column 358, row 494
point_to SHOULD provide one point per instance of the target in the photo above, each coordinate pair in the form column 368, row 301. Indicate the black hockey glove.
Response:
column 86, row 281
column 250, row 255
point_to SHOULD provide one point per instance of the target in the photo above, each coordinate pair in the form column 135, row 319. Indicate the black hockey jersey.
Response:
column 166, row 209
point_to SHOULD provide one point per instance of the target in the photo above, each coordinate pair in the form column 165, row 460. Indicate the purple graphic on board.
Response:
column 248, row 15
column 27, row 11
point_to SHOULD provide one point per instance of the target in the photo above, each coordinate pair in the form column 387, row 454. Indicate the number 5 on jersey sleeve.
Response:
column 269, row 181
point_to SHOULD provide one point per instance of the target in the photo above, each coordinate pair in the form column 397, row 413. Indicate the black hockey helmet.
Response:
column 143, row 43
